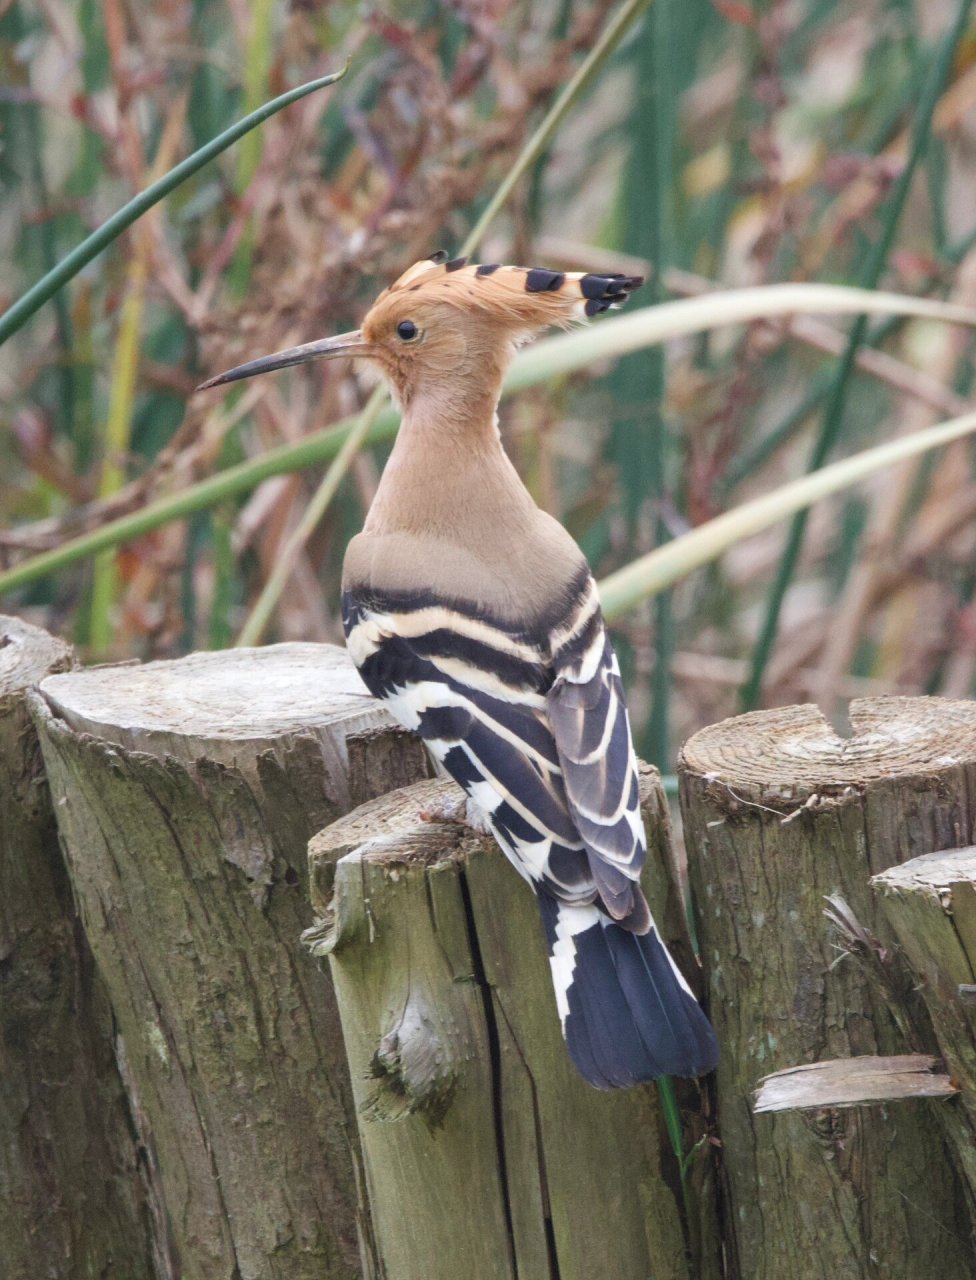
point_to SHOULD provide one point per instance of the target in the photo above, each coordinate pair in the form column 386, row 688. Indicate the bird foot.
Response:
column 460, row 810
column 446, row 811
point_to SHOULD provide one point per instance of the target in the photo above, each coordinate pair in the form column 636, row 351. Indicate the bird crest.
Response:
column 535, row 296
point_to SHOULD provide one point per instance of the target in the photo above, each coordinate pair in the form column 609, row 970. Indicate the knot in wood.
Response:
column 414, row 1069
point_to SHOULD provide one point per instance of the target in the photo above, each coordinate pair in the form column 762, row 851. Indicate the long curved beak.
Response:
column 346, row 344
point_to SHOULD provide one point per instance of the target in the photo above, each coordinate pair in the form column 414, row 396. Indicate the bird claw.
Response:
column 445, row 811
column 461, row 811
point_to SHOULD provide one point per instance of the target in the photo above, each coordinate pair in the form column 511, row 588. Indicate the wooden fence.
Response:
column 192, row 1092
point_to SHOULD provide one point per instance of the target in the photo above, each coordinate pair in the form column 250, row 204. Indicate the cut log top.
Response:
column 388, row 829
column 207, row 703
column 794, row 752
column 395, row 814
column 932, row 871
column 27, row 654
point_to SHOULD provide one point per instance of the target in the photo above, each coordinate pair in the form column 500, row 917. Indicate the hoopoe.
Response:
column 474, row 616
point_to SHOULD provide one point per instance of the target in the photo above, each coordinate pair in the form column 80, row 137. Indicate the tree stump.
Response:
column 72, row 1200
column 930, row 902
column 486, row 1154
column 186, row 793
column 780, row 813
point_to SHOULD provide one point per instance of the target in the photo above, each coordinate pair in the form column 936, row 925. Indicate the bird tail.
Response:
column 627, row 1012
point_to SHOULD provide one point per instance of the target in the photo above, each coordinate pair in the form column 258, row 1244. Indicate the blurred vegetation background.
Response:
column 726, row 143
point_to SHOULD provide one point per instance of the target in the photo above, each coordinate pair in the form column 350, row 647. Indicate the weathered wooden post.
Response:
column 486, row 1155
column 186, row 793
column 781, row 813
column 72, row 1195
column 930, row 903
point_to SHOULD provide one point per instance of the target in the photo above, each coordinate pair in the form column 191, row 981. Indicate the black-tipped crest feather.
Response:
column 441, row 279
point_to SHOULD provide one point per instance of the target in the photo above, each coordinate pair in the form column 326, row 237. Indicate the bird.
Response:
column 474, row 616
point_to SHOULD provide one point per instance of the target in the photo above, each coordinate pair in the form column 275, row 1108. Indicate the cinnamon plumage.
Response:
column 474, row 616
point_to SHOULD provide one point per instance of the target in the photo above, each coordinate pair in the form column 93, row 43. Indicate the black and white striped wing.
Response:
column 591, row 729
column 476, row 694
column 537, row 735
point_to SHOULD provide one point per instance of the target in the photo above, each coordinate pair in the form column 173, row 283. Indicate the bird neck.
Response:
column 448, row 474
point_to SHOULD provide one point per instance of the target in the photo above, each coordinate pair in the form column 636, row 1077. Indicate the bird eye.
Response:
column 407, row 330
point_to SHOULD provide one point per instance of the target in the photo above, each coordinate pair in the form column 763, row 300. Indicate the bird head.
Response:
column 444, row 319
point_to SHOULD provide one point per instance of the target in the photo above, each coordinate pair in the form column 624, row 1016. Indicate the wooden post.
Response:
column 186, row 793
column 486, row 1154
column 72, row 1196
column 930, row 902
column 779, row 813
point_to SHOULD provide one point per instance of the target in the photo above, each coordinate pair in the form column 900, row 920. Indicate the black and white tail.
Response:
column 627, row 1013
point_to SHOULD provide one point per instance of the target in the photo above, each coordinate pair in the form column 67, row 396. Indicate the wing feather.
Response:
column 535, row 731
column 496, row 743
column 591, row 730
